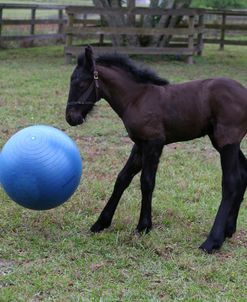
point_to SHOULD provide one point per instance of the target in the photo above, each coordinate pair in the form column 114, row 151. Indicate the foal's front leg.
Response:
column 151, row 151
column 132, row 167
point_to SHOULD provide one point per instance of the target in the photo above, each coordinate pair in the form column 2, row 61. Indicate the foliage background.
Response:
column 219, row 4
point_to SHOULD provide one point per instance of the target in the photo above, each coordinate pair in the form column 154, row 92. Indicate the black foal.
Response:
column 156, row 113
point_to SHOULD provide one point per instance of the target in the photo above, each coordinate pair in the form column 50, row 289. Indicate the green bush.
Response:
column 219, row 4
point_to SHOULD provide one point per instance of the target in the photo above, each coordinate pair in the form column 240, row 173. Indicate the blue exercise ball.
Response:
column 40, row 167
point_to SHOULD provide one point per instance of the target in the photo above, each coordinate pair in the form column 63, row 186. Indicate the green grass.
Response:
column 52, row 256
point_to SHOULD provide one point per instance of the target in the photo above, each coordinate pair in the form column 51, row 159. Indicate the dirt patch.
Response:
column 239, row 239
column 5, row 267
column 2, row 102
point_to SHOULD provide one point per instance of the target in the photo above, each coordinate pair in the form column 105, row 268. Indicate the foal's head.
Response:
column 83, row 93
column 84, row 87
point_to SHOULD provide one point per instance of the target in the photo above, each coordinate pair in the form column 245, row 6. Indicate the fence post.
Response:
column 33, row 15
column 131, row 5
column 222, row 34
column 60, row 25
column 1, row 27
column 69, row 38
column 200, row 35
column 191, row 39
column 101, row 37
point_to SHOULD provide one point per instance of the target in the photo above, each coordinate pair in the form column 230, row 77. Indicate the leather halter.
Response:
column 93, row 86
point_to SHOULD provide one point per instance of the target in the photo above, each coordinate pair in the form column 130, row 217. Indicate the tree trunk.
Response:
column 111, row 19
column 174, row 21
column 147, row 21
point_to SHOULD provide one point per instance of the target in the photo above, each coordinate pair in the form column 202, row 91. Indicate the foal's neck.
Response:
column 117, row 88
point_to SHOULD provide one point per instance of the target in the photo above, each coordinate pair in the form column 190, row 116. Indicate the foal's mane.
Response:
column 139, row 73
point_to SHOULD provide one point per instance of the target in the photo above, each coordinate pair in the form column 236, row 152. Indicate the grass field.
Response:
column 52, row 256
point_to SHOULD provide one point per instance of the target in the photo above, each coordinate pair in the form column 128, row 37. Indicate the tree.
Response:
column 222, row 4
column 147, row 21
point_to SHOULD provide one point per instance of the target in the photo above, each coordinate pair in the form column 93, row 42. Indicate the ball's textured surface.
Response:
column 40, row 167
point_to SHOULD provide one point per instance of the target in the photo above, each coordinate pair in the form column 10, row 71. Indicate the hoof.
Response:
column 99, row 226
column 144, row 228
column 209, row 246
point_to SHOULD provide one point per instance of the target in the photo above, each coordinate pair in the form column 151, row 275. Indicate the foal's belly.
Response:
column 186, row 112
column 184, row 133
column 182, row 125
column 187, row 126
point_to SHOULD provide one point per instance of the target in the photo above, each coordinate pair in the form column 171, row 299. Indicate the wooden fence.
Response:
column 78, row 28
column 198, row 27
column 32, row 22
column 222, row 27
column 226, row 23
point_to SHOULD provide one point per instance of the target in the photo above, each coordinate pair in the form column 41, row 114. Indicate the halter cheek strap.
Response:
column 96, row 82
column 93, row 86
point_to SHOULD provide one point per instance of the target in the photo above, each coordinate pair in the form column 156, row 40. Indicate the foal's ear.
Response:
column 89, row 59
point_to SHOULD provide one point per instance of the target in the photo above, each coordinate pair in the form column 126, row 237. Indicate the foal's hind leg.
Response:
column 132, row 167
column 233, row 215
column 231, row 180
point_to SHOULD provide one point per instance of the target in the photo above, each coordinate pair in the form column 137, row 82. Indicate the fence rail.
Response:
column 32, row 22
column 77, row 28
column 223, row 27
column 86, row 21
column 134, row 11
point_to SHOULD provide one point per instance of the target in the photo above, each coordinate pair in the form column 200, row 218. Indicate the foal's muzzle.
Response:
column 73, row 117
column 74, row 121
